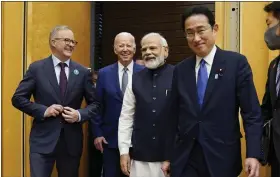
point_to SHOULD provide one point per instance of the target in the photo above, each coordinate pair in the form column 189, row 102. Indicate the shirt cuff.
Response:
column 79, row 117
column 124, row 151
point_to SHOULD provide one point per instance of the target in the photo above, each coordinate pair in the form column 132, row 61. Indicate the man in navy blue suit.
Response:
column 208, row 90
column 111, row 84
column 58, row 86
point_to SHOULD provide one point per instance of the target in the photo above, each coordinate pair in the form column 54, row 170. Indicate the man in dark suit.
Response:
column 270, row 103
column 111, row 84
column 58, row 86
column 208, row 90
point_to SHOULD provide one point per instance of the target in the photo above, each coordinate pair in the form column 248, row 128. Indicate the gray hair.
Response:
column 125, row 34
column 162, row 39
column 56, row 29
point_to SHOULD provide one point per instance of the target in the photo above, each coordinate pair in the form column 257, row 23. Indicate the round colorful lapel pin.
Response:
column 76, row 72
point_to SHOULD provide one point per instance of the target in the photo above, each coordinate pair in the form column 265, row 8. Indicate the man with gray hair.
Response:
column 58, row 86
column 111, row 84
column 141, row 122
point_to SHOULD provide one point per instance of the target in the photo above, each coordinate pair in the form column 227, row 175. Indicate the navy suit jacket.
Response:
column 216, row 125
column 111, row 98
column 40, row 81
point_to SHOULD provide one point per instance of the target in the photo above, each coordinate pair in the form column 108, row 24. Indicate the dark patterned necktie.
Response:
column 124, row 79
column 63, row 79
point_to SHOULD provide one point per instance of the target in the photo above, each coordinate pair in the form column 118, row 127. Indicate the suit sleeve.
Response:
column 93, row 105
column 250, row 109
column 266, row 106
column 22, row 95
column 97, row 120
column 172, row 117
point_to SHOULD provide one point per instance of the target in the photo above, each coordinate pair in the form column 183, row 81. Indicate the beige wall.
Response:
column 12, row 54
column 41, row 18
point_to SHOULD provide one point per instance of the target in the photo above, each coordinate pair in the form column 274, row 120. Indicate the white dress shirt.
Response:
column 208, row 61
column 129, row 72
column 57, row 70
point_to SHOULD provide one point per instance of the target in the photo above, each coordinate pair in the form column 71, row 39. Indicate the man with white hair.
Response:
column 141, row 123
column 111, row 84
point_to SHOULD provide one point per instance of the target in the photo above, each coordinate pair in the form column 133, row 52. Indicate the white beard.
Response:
column 153, row 64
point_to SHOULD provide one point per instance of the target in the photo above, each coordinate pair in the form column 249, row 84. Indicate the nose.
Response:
column 71, row 44
column 125, row 48
column 196, row 37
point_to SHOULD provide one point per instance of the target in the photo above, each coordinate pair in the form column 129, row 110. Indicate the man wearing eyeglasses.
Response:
column 58, row 86
column 208, row 90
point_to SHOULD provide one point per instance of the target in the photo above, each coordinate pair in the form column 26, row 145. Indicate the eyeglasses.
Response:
column 190, row 34
column 67, row 41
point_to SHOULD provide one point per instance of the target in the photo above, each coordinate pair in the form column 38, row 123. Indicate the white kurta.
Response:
column 138, row 168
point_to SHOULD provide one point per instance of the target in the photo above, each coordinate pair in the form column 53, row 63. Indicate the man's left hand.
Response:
column 70, row 115
column 252, row 167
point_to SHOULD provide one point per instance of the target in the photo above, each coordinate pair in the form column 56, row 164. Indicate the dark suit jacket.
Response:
column 216, row 125
column 271, row 106
column 40, row 81
column 111, row 97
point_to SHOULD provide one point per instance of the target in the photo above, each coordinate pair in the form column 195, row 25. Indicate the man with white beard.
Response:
column 141, row 123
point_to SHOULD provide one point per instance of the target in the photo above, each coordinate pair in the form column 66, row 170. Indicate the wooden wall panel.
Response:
column 252, row 45
column 42, row 17
column 12, row 69
column 140, row 18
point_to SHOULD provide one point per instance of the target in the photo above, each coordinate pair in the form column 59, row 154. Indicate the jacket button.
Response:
column 154, row 86
column 154, row 125
column 154, row 138
column 154, row 98
column 154, row 110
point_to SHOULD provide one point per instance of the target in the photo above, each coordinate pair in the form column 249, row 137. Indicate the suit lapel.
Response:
column 218, row 67
column 115, row 77
column 272, row 80
column 190, row 81
column 71, row 79
column 50, row 74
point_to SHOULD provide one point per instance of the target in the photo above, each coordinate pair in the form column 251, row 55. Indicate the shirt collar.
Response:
column 208, row 59
column 129, row 67
column 56, row 61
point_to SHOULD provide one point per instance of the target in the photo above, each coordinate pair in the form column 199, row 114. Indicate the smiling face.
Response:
column 124, row 48
column 200, row 35
column 153, row 52
column 63, row 44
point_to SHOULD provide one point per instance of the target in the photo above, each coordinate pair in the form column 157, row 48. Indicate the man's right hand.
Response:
column 98, row 143
column 54, row 110
column 125, row 164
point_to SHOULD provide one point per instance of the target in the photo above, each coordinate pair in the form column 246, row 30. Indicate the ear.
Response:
column 53, row 43
column 215, row 28
column 166, row 52
column 115, row 51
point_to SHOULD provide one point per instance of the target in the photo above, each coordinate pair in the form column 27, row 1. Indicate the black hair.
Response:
column 198, row 10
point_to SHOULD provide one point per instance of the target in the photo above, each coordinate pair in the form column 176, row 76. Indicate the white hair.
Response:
column 162, row 39
column 125, row 34
column 55, row 30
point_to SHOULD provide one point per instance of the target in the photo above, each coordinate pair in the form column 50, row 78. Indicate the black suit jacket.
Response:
column 41, row 83
column 216, row 125
column 271, row 106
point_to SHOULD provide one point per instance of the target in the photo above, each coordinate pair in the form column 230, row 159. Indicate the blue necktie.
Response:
column 202, row 78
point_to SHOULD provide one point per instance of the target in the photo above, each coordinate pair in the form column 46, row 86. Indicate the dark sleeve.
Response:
column 172, row 117
column 97, row 121
column 93, row 105
column 22, row 95
column 250, row 109
column 266, row 106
